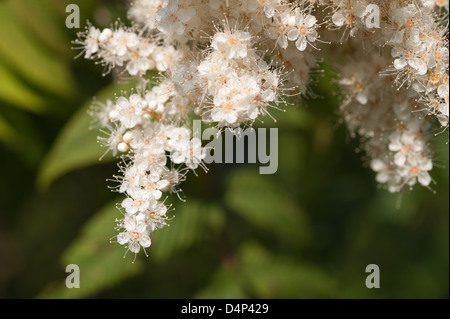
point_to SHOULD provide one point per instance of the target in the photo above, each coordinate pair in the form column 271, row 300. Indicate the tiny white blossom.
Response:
column 123, row 40
column 302, row 30
column 139, row 203
column 173, row 17
column 405, row 145
column 130, row 110
column 232, row 44
column 135, row 235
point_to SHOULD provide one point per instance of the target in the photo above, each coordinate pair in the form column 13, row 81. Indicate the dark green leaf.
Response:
column 274, row 276
column 100, row 262
column 15, row 92
column 263, row 203
column 194, row 221
column 31, row 58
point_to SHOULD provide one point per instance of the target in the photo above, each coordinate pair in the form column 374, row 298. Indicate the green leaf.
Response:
column 77, row 145
column 7, row 132
column 31, row 58
column 269, row 275
column 194, row 221
column 225, row 284
column 291, row 166
column 267, row 205
column 15, row 92
column 259, row 273
column 42, row 20
column 20, row 134
column 101, row 263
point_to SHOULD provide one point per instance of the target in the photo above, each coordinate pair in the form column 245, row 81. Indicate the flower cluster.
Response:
column 231, row 62
column 409, row 49
column 136, row 129
column 394, row 136
column 123, row 47
column 237, row 83
column 417, row 42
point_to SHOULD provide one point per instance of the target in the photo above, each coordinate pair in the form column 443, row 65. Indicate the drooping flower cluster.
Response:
column 409, row 48
column 231, row 62
column 393, row 135
column 136, row 129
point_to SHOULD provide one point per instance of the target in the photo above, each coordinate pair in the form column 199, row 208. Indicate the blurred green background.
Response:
column 308, row 231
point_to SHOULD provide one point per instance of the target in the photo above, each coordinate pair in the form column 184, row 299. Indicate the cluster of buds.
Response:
column 231, row 62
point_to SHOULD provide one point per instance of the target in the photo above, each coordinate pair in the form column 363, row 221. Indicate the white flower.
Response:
column 278, row 29
column 248, row 89
column 135, row 235
column 173, row 17
column 407, row 62
column 159, row 95
column 144, row 12
column 155, row 217
column 383, row 170
column 178, row 137
column 348, row 15
column 175, row 177
column 139, row 203
column 358, row 89
column 190, row 153
column 302, row 30
column 91, row 42
column 439, row 55
column 166, row 57
column 443, row 91
column 215, row 72
column 405, row 145
column 105, row 36
column 186, row 75
column 101, row 113
column 123, row 40
column 443, row 108
column 231, row 44
column 151, row 156
column 132, row 180
column 417, row 170
column 268, row 6
column 113, row 140
column 153, row 185
column 140, row 62
column 129, row 110
column 225, row 110
column 179, row 108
